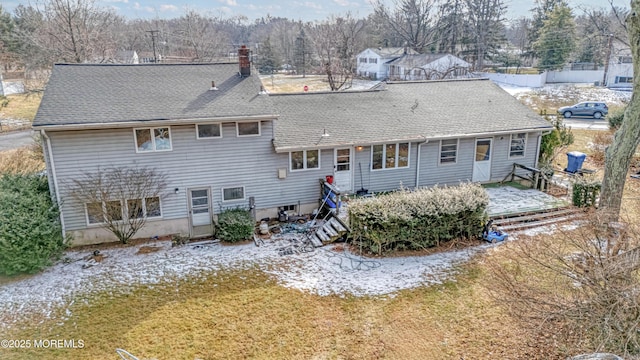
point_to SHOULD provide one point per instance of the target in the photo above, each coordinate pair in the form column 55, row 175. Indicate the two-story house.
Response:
column 372, row 62
column 223, row 142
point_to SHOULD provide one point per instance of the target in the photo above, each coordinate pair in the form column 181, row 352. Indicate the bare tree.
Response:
column 335, row 44
column 625, row 142
column 582, row 284
column 120, row 199
column 485, row 19
column 413, row 20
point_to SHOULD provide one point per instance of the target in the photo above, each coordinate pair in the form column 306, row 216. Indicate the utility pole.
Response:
column 153, row 42
column 606, row 60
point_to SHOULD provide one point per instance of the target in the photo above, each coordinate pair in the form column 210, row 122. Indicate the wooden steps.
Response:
column 331, row 230
column 516, row 222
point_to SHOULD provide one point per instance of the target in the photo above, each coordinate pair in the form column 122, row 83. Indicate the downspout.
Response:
column 539, row 143
column 418, row 162
column 55, row 180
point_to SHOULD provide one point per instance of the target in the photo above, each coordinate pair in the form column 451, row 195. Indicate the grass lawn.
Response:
column 244, row 314
column 22, row 106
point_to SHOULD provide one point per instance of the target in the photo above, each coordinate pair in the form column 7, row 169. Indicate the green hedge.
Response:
column 30, row 230
column 585, row 192
column 418, row 219
column 235, row 225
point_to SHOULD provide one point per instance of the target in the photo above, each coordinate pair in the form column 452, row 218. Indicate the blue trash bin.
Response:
column 574, row 161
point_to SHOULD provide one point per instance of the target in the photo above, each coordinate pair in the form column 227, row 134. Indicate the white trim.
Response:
column 55, row 181
column 244, row 195
column 125, row 211
column 524, row 150
column 209, row 137
column 397, row 157
column 155, row 123
column 153, row 139
column 440, row 163
column 248, row 122
column 304, row 160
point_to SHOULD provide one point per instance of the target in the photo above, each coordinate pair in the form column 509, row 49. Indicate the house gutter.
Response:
column 418, row 161
column 55, row 180
column 285, row 149
column 155, row 122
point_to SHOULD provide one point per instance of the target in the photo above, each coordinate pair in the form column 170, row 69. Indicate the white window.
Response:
column 248, row 128
column 152, row 139
column 363, row 60
column 448, row 151
column 373, row 60
column 518, row 143
column 389, row 156
column 97, row 213
column 233, row 193
column 209, row 131
column 624, row 79
column 304, row 159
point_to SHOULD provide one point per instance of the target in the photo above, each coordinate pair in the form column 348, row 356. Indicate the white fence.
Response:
column 539, row 80
column 518, row 79
column 576, row 76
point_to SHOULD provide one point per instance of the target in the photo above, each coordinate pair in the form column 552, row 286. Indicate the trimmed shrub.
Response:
column 585, row 192
column 30, row 231
column 418, row 219
column 235, row 225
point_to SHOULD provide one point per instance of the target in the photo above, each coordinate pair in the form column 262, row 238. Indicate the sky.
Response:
column 305, row 10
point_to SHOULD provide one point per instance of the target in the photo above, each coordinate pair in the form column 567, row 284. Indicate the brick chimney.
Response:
column 245, row 63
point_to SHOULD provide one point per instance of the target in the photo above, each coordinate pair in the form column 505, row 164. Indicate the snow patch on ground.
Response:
column 573, row 93
column 323, row 271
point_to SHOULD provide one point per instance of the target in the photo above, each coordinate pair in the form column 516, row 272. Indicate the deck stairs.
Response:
column 544, row 217
column 328, row 230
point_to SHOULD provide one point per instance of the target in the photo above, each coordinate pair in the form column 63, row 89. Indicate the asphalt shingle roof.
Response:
column 417, row 60
column 80, row 94
column 405, row 111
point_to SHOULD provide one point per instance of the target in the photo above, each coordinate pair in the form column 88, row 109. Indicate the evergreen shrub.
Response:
column 235, row 225
column 30, row 230
column 418, row 219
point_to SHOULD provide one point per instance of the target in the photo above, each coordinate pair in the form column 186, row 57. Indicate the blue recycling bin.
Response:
column 574, row 161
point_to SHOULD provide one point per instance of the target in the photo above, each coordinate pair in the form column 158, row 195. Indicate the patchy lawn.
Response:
column 20, row 111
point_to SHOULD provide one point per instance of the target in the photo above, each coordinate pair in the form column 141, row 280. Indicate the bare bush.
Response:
column 582, row 284
column 120, row 199
column 600, row 142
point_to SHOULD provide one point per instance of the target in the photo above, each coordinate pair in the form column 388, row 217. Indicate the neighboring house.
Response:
column 372, row 62
column 427, row 67
column 231, row 144
column 619, row 73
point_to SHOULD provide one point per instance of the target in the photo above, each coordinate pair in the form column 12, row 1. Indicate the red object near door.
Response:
column 330, row 179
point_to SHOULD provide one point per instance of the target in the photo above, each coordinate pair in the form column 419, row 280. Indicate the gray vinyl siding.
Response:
column 214, row 163
column 432, row 172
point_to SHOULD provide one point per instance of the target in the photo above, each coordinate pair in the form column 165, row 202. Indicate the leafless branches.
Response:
column 120, row 199
column 584, row 283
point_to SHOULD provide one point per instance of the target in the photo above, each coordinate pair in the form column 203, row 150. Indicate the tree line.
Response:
column 44, row 32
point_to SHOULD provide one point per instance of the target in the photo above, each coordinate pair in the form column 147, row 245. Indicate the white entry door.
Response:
column 482, row 161
column 200, row 211
column 342, row 173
